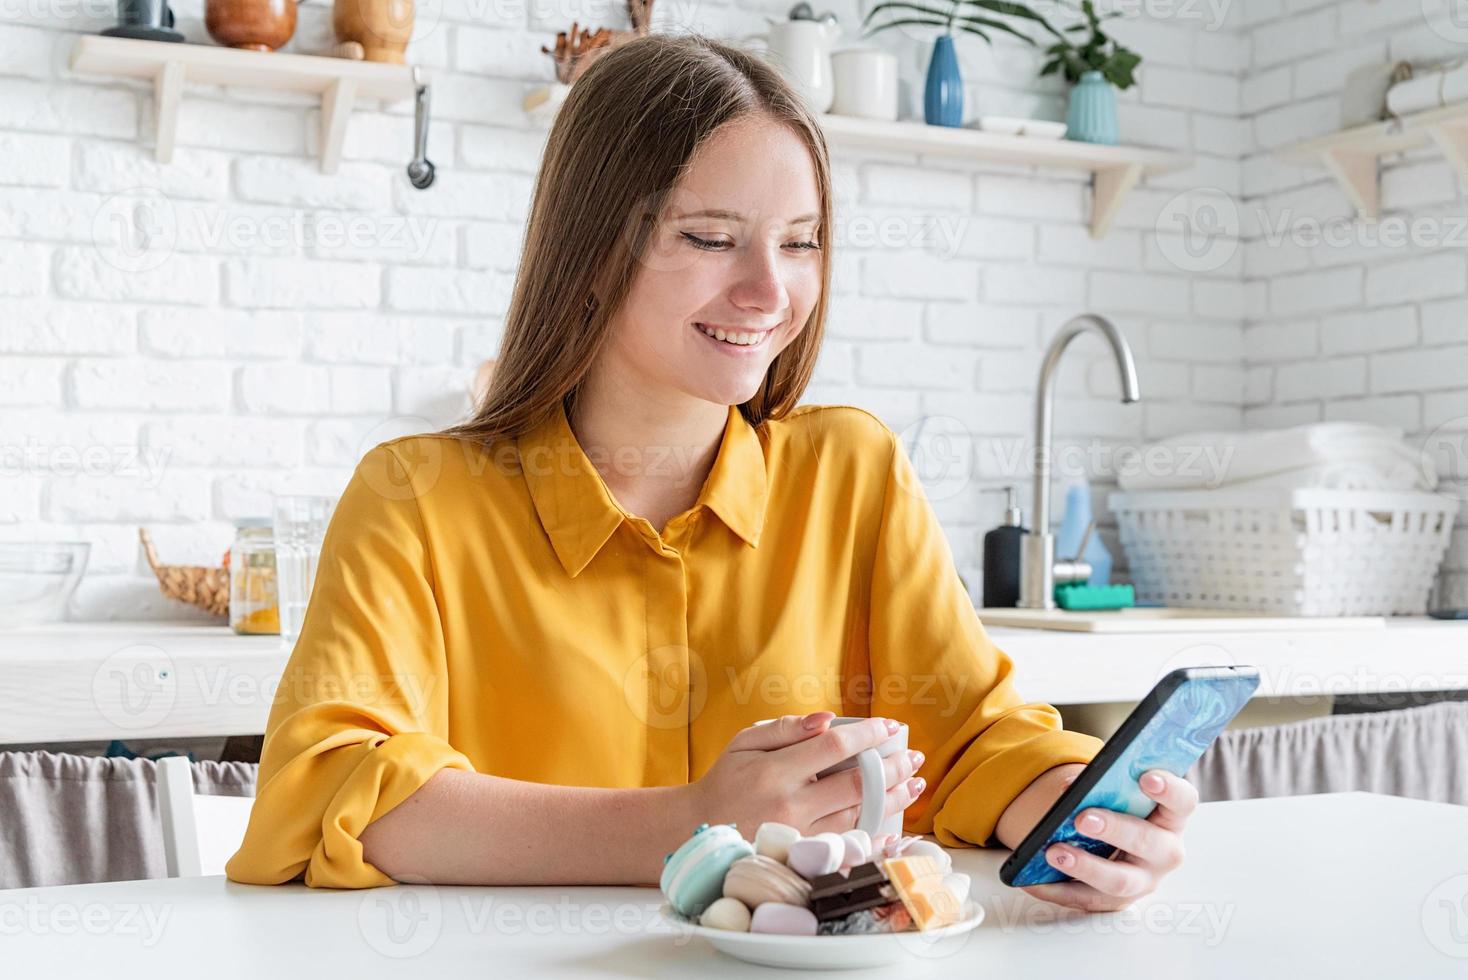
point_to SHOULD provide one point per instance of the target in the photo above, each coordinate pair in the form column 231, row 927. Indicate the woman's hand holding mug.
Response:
column 768, row 772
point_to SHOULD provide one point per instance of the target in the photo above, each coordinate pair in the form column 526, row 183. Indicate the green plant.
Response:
column 1100, row 52
column 970, row 16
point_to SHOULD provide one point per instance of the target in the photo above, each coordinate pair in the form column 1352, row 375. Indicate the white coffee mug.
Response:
column 866, row 83
column 872, row 818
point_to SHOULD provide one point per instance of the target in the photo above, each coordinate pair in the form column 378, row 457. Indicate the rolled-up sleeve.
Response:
column 934, row 667
column 360, row 719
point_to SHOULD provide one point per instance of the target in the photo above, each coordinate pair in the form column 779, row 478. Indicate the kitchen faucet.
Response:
column 1039, row 571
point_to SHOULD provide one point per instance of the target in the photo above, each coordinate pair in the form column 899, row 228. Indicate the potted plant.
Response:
column 1095, row 69
column 943, row 94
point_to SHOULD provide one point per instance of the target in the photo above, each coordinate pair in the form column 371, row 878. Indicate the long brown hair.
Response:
column 621, row 140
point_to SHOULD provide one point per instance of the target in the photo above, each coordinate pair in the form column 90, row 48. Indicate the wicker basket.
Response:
column 1285, row 552
column 207, row 588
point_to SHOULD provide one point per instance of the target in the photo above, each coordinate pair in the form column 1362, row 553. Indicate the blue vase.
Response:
column 943, row 97
column 1092, row 114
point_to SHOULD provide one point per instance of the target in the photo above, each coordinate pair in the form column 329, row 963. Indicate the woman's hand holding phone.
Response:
column 767, row 772
column 1148, row 849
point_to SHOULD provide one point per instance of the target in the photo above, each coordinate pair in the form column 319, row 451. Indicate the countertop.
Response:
column 93, row 681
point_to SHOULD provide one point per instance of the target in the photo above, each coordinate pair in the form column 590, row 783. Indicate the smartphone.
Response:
column 1172, row 726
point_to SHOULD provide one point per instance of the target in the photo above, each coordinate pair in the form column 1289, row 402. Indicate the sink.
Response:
column 1171, row 619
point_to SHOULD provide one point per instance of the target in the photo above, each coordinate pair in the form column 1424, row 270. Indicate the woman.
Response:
column 539, row 642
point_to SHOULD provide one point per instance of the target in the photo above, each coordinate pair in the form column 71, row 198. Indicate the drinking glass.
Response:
column 300, row 527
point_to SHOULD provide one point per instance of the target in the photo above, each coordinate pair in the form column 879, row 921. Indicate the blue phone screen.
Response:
column 1173, row 739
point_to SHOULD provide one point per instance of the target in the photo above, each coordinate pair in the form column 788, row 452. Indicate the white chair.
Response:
column 200, row 833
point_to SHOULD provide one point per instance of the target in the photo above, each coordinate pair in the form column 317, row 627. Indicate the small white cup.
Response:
column 866, row 83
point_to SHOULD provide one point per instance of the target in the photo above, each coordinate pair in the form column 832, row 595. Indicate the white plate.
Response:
column 1040, row 129
column 1043, row 129
column 834, row 952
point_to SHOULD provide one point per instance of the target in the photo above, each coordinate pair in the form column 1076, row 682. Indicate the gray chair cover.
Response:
column 66, row 819
column 1415, row 752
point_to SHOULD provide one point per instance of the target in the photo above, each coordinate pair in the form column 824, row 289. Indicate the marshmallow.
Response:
column 726, row 913
column 858, row 848
column 782, row 919
column 818, row 855
column 773, row 840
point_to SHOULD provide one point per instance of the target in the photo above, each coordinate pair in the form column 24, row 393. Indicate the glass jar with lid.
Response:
column 253, row 603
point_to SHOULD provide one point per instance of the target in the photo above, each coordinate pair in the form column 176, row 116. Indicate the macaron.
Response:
column 784, row 920
column 726, row 913
column 693, row 875
column 818, row 855
column 773, row 840
column 757, row 879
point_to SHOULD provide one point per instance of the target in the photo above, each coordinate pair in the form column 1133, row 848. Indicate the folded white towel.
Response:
column 1337, row 455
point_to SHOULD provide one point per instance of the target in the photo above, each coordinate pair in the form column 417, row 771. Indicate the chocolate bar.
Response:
column 837, row 895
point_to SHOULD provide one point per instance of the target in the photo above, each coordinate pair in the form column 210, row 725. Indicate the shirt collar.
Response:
column 579, row 513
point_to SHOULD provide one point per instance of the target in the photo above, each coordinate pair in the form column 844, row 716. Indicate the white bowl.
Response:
column 37, row 579
column 835, row 952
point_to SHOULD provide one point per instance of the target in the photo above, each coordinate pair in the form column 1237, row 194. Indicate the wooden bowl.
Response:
column 256, row 25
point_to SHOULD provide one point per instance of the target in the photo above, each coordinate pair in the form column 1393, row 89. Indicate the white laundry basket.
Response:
column 1282, row 551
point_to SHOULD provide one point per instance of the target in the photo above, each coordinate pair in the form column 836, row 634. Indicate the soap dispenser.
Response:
column 1001, row 556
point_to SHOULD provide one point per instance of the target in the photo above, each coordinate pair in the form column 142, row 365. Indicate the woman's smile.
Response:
column 736, row 341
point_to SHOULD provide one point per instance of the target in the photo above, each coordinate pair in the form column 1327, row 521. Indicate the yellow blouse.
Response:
column 496, row 610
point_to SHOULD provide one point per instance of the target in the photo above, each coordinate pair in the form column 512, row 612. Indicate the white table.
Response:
column 1348, row 885
column 98, row 681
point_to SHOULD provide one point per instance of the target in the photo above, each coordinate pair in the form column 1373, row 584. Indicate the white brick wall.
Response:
column 273, row 323
column 1368, row 323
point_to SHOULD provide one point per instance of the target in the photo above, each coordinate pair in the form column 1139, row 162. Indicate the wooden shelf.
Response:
column 1114, row 170
column 1353, row 156
column 339, row 81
